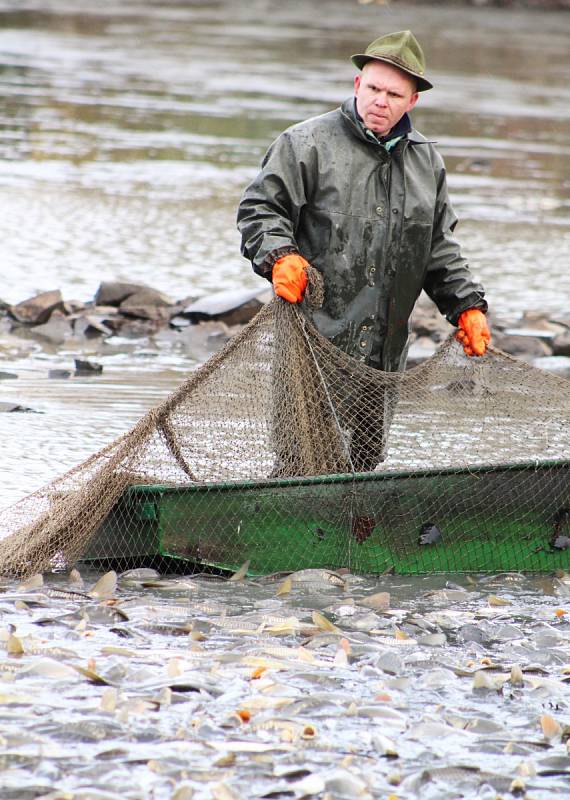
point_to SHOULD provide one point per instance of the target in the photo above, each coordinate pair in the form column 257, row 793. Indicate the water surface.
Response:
column 127, row 133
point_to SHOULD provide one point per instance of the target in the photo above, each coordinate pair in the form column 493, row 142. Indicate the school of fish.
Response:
column 317, row 684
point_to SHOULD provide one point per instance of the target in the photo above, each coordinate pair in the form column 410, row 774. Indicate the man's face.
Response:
column 383, row 95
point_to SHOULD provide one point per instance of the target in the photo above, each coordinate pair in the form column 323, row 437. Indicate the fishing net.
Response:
column 285, row 452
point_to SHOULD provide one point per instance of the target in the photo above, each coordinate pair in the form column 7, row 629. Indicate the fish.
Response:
column 318, row 577
column 105, row 586
column 379, row 601
column 241, row 573
column 429, row 534
column 323, row 623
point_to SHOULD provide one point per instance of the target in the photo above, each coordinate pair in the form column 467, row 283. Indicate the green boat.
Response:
column 513, row 517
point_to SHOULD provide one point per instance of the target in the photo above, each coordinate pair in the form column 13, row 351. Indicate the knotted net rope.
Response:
column 237, row 455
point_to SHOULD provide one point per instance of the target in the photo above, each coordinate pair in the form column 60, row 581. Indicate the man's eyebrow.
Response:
column 372, row 85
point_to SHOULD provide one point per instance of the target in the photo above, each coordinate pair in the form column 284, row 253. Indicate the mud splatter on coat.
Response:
column 377, row 224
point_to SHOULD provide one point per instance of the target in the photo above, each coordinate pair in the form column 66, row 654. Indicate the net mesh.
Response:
column 283, row 451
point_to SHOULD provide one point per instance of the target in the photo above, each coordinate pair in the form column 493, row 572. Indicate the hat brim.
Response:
column 360, row 59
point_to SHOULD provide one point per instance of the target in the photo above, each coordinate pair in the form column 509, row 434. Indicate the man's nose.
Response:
column 381, row 99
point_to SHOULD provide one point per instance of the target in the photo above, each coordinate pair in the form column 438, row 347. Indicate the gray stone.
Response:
column 134, row 328
column 87, row 367
column 56, row 330
column 231, row 306
column 91, row 326
column 179, row 322
column 522, row 346
column 59, row 374
column 73, row 306
column 113, row 293
column 561, row 345
column 152, row 313
column 144, row 298
column 16, row 407
column 6, row 376
column 539, row 320
column 427, row 321
column 37, row 310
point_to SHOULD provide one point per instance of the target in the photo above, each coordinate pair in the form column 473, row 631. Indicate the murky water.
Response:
column 127, row 132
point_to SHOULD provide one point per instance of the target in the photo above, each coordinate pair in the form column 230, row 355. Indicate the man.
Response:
column 362, row 196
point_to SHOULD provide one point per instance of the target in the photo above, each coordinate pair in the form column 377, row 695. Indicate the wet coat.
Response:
column 378, row 225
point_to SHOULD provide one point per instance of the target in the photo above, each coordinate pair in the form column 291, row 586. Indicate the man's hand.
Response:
column 473, row 333
column 289, row 277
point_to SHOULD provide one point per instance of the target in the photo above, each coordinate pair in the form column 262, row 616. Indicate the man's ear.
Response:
column 356, row 83
column 413, row 100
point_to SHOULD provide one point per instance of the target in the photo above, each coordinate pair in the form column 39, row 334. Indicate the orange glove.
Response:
column 473, row 333
column 289, row 277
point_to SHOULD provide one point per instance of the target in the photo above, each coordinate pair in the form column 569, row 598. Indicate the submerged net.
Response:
column 285, row 452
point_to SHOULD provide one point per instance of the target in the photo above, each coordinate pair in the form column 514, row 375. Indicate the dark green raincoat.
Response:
column 378, row 225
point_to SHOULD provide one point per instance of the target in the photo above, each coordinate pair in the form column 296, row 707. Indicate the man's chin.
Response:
column 378, row 128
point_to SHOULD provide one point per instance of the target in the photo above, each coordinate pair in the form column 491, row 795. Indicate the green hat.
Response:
column 401, row 49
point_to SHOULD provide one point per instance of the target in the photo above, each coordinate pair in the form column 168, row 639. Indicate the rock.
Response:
column 56, row 330
column 38, row 309
column 15, row 407
column 59, row 374
column 135, row 328
column 561, row 319
column 561, row 344
column 153, row 313
column 521, row 346
column 179, row 322
column 144, row 298
column 87, row 367
column 538, row 320
column 113, row 293
column 232, row 307
column 104, row 311
column 91, row 326
column 427, row 321
column 73, row 306
column 6, row 376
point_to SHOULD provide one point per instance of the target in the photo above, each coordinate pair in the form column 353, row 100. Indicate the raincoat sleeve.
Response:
column 449, row 281
column 271, row 206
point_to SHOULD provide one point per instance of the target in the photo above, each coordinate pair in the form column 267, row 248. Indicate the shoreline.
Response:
column 127, row 316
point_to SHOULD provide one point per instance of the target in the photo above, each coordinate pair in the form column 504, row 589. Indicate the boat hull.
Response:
column 485, row 519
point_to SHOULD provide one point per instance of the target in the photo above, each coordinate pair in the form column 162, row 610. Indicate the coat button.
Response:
column 363, row 343
column 380, row 210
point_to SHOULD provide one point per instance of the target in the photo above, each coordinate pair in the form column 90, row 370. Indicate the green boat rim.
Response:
column 348, row 477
